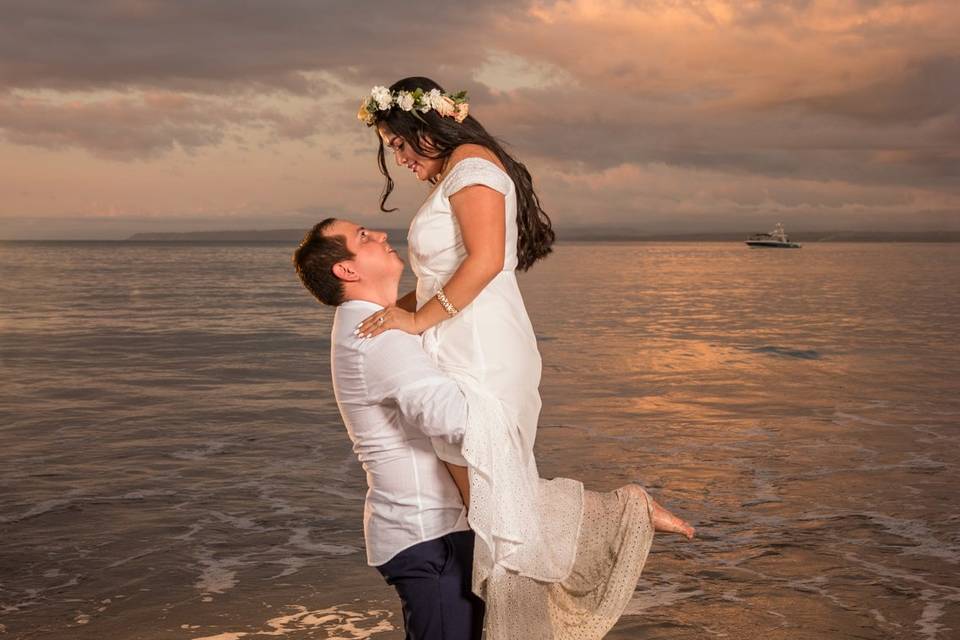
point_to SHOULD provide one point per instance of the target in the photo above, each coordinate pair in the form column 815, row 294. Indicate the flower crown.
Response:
column 416, row 102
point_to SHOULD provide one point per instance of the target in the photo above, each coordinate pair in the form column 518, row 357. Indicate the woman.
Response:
column 474, row 229
column 482, row 221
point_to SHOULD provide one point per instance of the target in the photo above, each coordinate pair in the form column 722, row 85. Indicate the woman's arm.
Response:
column 480, row 212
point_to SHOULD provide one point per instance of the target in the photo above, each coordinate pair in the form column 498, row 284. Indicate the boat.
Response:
column 775, row 239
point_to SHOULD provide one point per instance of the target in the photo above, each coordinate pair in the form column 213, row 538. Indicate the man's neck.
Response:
column 382, row 298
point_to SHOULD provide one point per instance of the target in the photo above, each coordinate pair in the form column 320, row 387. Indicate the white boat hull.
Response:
column 772, row 244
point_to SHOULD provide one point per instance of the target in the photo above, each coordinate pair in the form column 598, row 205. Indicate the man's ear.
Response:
column 345, row 271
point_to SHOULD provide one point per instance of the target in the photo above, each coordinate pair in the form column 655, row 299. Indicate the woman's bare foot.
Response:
column 663, row 520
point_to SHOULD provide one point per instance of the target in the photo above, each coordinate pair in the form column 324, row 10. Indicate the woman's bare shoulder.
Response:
column 470, row 150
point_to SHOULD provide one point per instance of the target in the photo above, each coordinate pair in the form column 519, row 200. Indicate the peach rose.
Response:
column 461, row 112
column 363, row 115
column 446, row 107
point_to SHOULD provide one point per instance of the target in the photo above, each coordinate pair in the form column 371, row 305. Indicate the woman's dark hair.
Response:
column 435, row 136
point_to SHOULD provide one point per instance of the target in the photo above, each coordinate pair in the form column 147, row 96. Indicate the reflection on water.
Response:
column 173, row 464
column 332, row 622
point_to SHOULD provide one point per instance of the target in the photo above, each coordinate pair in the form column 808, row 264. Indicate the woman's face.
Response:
column 405, row 155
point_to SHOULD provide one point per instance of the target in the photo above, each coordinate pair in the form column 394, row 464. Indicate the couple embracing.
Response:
column 438, row 390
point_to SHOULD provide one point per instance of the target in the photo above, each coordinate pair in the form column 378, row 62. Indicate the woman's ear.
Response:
column 345, row 271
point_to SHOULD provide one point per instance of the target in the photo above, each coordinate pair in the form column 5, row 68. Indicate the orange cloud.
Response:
column 631, row 110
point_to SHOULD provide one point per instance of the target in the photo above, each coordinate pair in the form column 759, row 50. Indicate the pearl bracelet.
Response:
column 446, row 304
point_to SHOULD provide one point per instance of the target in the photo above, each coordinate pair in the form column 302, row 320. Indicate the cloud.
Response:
column 218, row 45
column 659, row 197
column 677, row 107
column 503, row 71
column 144, row 124
column 921, row 91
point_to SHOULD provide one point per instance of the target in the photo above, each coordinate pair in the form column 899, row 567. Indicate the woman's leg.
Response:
column 462, row 480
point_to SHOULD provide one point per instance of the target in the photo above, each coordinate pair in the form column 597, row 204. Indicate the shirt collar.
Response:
column 360, row 304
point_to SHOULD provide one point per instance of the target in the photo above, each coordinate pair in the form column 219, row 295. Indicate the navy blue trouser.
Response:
column 433, row 580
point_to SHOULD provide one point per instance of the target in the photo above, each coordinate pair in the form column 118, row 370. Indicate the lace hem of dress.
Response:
column 522, row 523
column 612, row 549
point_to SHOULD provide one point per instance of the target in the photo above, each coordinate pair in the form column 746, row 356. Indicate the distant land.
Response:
column 293, row 236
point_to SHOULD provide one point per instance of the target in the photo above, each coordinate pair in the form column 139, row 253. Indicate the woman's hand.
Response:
column 389, row 318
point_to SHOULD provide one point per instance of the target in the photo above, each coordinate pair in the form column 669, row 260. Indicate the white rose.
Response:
column 382, row 96
column 424, row 103
column 405, row 100
column 432, row 98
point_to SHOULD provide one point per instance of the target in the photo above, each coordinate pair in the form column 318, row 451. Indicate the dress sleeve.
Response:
column 471, row 171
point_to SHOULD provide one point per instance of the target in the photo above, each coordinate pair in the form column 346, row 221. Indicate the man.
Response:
column 393, row 400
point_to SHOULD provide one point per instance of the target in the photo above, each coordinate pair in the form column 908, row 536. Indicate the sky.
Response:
column 661, row 116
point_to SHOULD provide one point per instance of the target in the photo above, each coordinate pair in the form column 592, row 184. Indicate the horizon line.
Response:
column 285, row 236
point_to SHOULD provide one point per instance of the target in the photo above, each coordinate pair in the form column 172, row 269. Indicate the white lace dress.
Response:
column 552, row 560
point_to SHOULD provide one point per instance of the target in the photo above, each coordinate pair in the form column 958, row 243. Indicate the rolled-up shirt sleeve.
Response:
column 397, row 369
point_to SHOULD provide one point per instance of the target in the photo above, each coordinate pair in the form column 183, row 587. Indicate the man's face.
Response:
column 374, row 259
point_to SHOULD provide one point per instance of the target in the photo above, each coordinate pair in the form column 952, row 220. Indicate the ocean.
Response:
column 173, row 465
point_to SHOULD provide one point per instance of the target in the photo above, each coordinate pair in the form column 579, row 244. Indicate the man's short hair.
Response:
column 314, row 260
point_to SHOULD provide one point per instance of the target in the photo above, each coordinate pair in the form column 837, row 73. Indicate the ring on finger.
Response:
column 380, row 320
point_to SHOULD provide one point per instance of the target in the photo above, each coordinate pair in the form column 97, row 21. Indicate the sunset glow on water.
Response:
column 174, row 465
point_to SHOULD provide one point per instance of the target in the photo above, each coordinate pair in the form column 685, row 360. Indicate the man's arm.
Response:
column 396, row 368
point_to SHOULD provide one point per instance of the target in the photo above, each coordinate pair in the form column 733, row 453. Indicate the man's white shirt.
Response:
column 393, row 399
